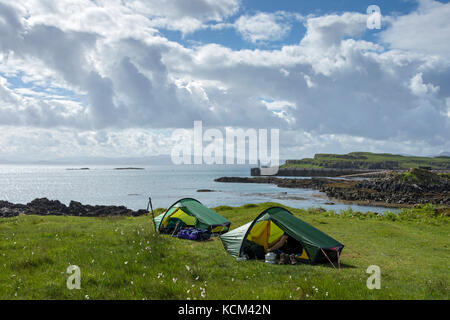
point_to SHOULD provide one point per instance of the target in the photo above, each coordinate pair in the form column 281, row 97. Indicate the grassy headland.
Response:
column 122, row 258
column 368, row 160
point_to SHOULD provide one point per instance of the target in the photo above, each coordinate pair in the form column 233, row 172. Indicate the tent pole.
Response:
column 153, row 216
column 327, row 258
column 176, row 226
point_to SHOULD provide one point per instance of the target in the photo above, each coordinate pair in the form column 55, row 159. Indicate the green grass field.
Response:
column 122, row 258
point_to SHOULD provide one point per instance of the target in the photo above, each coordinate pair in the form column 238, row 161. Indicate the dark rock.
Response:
column 44, row 206
column 414, row 186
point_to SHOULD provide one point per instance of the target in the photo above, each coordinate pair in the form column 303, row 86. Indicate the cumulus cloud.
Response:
column 419, row 88
column 425, row 30
column 98, row 72
column 263, row 26
column 329, row 30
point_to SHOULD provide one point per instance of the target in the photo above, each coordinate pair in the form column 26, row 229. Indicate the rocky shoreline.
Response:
column 45, row 207
column 413, row 187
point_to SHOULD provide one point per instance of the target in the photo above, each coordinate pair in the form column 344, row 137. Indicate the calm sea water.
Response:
column 166, row 184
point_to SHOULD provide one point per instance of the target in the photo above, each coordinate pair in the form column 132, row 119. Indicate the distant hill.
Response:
column 368, row 160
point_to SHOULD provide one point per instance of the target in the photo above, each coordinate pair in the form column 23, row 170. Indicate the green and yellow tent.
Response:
column 191, row 212
column 274, row 222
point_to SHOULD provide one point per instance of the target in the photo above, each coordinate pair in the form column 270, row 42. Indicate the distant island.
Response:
column 369, row 161
column 129, row 168
column 77, row 169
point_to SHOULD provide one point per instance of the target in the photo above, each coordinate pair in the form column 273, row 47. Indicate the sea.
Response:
column 165, row 184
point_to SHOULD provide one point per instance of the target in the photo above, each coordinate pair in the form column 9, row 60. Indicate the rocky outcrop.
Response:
column 314, row 183
column 44, row 206
column 416, row 186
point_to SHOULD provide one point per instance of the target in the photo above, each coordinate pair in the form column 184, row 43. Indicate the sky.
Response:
column 97, row 78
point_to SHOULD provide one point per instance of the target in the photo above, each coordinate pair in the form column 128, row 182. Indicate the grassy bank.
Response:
column 122, row 258
column 368, row 160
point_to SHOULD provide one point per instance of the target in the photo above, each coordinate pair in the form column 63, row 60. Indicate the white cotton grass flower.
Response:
column 202, row 292
column 126, row 262
column 86, row 297
column 174, row 280
column 188, row 268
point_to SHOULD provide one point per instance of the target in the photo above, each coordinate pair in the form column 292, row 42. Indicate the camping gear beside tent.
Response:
column 189, row 212
column 271, row 257
column 273, row 223
column 193, row 234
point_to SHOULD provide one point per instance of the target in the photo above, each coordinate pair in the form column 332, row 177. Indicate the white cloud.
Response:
column 426, row 30
column 327, row 31
column 121, row 79
column 419, row 88
column 263, row 26
column 139, row 18
column 46, row 144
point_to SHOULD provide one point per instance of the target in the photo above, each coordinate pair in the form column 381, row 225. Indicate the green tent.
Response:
column 190, row 212
column 271, row 224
